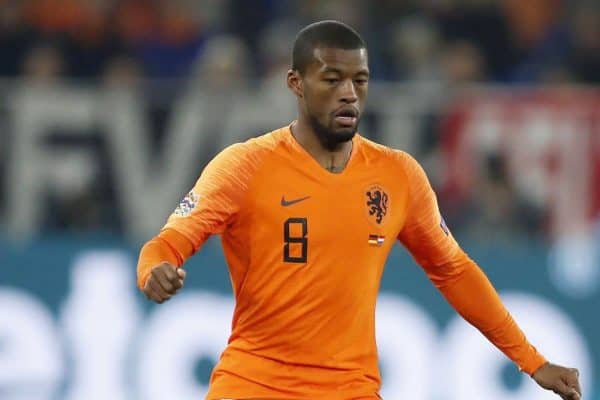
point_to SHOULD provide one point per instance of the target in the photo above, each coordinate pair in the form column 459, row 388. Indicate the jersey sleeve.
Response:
column 215, row 200
column 213, row 204
column 455, row 275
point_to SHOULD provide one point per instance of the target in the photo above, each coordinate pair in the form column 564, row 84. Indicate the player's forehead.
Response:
column 351, row 61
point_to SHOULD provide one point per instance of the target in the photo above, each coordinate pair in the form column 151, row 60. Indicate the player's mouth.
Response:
column 347, row 116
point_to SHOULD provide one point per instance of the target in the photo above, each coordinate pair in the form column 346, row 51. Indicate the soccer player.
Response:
column 308, row 214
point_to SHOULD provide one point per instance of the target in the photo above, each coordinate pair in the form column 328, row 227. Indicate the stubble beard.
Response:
column 327, row 136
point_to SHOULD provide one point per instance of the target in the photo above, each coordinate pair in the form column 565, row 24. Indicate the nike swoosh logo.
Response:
column 286, row 203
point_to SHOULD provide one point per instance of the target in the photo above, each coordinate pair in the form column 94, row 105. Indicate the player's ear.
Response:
column 294, row 82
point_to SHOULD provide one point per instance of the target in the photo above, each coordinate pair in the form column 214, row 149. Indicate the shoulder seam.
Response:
column 261, row 153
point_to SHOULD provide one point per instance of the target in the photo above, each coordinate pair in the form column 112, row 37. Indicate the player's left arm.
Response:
column 460, row 281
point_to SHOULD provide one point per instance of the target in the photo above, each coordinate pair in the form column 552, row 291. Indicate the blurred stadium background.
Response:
column 109, row 109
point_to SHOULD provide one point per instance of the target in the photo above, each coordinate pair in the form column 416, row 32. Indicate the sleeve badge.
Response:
column 187, row 204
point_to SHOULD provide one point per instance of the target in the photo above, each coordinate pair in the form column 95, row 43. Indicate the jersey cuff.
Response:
column 533, row 362
column 156, row 251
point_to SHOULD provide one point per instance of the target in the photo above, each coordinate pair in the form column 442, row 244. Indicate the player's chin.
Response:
column 343, row 134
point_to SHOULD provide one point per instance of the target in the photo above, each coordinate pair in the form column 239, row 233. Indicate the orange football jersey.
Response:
column 306, row 250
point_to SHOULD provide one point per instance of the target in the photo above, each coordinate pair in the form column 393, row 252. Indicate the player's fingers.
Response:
column 171, row 273
column 575, row 391
column 176, row 281
column 566, row 392
column 180, row 279
column 160, row 275
column 571, row 397
column 151, row 294
column 147, row 290
column 179, row 285
column 572, row 380
column 158, row 289
column 574, row 396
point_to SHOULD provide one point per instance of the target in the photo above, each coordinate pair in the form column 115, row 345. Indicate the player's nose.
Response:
column 348, row 92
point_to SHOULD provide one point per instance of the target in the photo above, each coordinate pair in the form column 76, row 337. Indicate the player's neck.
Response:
column 333, row 160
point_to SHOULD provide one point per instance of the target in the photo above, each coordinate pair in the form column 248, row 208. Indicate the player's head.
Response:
column 330, row 77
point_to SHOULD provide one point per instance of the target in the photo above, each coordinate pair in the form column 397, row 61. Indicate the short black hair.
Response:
column 329, row 33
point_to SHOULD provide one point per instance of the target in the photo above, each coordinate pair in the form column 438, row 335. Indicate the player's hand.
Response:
column 164, row 281
column 561, row 380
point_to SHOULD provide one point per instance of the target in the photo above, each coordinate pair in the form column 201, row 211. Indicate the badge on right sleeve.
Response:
column 187, row 204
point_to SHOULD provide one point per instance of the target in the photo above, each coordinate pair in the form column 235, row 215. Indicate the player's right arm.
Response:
column 211, row 206
column 160, row 275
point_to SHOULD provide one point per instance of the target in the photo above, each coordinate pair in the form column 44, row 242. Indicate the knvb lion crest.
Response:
column 378, row 203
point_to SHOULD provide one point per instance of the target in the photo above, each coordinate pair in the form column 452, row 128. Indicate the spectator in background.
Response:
column 275, row 62
column 15, row 38
column 93, row 42
column 350, row 11
column 462, row 64
column 415, row 45
column 218, row 81
column 384, row 13
column 44, row 64
column 122, row 71
column 247, row 19
column 274, row 53
column 585, row 60
column 79, row 27
column 135, row 20
column 170, row 50
column 495, row 211
column 541, row 38
column 481, row 23
column 222, row 67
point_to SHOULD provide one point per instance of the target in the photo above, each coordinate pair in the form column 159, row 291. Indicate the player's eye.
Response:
column 332, row 81
column 361, row 81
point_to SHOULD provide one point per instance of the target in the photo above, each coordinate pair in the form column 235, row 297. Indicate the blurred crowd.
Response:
column 494, row 40
column 230, row 44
